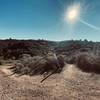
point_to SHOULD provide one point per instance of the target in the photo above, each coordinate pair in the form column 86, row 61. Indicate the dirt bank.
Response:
column 71, row 84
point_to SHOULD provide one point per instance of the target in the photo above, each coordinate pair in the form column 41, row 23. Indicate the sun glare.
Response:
column 73, row 13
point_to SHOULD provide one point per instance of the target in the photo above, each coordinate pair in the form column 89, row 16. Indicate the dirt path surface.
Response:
column 71, row 84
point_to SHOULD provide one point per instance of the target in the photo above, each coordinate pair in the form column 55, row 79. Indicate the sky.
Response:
column 44, row 19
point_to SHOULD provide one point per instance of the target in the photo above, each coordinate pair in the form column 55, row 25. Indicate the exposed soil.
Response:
column 71, row 84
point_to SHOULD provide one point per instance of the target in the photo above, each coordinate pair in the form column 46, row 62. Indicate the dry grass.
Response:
column 88, row 62
column 71, row 84
column 38, row 65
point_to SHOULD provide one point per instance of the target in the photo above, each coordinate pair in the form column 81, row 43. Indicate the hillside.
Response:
column 22, row 80
column 13, row 49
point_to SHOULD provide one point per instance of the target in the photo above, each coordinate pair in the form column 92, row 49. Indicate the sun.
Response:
column 73, row 13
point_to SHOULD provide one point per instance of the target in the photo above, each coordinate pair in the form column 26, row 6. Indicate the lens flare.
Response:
column 73, row 13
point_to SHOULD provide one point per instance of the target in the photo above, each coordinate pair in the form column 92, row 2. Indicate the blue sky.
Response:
column 44, row 19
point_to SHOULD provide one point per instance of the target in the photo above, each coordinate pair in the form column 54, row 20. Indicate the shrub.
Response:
column 71, row 59
column 0, row 62
column 38, row 65
column 88, row 62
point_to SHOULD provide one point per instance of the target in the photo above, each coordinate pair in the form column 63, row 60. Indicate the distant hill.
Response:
column 13, row 49
column 75, row 46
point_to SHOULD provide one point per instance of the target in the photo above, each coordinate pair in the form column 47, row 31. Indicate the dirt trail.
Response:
column 71, row 84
